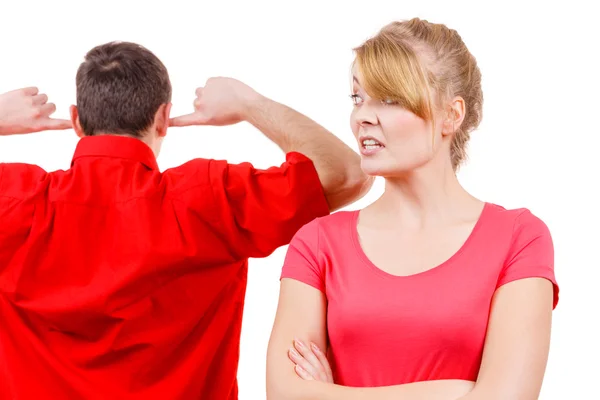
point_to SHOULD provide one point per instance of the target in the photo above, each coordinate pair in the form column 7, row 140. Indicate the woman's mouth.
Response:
column 370, row 146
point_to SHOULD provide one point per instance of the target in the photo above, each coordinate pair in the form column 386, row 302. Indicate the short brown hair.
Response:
column 120, row 86
column 420, row 64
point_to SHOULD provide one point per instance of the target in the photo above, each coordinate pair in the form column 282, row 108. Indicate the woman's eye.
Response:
column 356, row 99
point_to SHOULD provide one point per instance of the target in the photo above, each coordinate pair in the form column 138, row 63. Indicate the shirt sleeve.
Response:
column 531, row 254
column 302, row 261
column 18, row 183
column 261, row 210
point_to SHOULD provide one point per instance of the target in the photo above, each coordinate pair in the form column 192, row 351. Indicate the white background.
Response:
column 537, row 146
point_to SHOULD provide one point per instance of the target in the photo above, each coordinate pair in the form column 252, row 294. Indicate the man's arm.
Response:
column 27, row 111
column 225, row 101
column 338, row 166
column 21, row 111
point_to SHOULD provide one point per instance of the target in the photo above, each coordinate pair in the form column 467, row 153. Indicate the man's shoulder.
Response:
column 19, row 179
column 12, row 168
column 191, row 166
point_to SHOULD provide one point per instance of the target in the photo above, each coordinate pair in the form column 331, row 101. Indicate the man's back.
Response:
column 118, row 281
column 121, row 282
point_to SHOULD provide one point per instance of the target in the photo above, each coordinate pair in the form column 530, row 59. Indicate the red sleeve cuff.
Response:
column 318, row 206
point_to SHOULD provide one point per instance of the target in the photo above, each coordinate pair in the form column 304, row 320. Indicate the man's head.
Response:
column 122, row 89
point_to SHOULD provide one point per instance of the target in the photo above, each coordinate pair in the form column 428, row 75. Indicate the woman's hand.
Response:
column 310, row 363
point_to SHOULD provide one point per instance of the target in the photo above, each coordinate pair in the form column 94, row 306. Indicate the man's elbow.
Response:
column 351, row 186
column 362, row 183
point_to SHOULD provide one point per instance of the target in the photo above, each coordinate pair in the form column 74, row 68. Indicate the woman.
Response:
column 428, row 293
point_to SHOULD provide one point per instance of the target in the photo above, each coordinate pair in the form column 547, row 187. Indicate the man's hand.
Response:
column 27, row 111
column 310, row 363
column 222, row 101
column 226, row 101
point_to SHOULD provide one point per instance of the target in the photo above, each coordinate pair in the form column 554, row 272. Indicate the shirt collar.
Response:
column 114, row 146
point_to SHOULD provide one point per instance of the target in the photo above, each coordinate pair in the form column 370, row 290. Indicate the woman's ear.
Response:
column 455, row 116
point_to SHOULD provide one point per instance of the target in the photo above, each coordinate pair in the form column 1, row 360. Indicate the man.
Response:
column 121, row 282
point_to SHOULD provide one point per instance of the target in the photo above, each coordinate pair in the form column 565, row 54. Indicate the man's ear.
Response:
column 161, row 119
column 75, row 121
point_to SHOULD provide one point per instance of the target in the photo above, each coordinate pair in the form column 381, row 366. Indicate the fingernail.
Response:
column 294, row 353
column 301, row 371
column 315, row 348
column 299, row 343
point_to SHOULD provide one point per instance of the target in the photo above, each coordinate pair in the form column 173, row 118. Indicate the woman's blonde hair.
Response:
column 421, row 65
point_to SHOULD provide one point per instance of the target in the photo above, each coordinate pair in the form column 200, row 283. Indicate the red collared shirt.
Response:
column 118, row 281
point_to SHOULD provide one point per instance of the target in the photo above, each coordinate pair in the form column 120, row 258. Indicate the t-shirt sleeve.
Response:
column 261, row 210
column 531, row 254
column 302, row 261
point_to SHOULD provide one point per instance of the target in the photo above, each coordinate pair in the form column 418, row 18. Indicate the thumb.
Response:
column 58, row 124
column 195, row 118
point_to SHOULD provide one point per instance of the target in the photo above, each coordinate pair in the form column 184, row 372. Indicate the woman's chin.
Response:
column 382, row 169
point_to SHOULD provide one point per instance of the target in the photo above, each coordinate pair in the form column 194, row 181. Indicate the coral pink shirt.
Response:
column 389, row 330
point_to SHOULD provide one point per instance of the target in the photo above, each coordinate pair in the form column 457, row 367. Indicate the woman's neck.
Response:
column 425, row 197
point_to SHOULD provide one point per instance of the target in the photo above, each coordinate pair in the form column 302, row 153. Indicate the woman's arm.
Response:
column 515, row 353
column 518, row 335
column 301, row 314
column 517, row 343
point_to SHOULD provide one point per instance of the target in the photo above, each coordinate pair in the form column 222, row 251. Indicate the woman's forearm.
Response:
column 429, row 390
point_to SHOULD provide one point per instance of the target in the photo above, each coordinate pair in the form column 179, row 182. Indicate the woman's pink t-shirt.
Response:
column 389, row 330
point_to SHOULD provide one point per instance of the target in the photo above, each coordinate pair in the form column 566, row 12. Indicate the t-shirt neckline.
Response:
column 451, row 260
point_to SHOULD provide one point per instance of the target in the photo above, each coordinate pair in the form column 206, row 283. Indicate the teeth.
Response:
column 371, row 142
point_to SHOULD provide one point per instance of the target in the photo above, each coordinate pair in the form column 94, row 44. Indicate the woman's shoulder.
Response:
column 518, row 221
column 518, row 215
column 339, row 220
column 335, row 225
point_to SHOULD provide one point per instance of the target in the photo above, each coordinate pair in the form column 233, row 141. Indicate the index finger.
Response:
column 184, row 120
column 58, row 124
